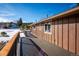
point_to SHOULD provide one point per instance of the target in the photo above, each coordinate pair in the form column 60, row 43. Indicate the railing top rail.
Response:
column 6, row 49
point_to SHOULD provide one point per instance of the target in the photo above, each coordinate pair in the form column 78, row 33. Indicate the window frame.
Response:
column 34, row 27
column 47, row 29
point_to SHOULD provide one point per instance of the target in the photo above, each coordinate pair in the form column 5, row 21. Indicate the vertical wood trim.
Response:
column 65, row 33
column 58, row 32
column 51, row 32
column 75, row 35
column 52, row 36
column 54, row 32
column 43, row 30
column 72, row 34
column 68, row 33
column 62, row 32
column 46, row 36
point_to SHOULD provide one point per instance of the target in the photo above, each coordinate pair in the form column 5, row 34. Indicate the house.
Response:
column 8, row 25
column 61, row 30
column 13, row 25
column 3, row 25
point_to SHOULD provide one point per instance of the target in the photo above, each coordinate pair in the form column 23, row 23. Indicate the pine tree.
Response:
column 19, row 22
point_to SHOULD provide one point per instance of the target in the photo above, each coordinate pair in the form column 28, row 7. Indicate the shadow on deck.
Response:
column 28, row 48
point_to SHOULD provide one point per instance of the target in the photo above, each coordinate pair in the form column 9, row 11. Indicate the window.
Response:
column 33, row 27
column 47, row 27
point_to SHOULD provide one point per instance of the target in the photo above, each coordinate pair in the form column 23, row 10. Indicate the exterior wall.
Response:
column 53, row 32
column 72, row 34
column 60, row 33
column 56, row 31
column 77, row 36
column 64, row 33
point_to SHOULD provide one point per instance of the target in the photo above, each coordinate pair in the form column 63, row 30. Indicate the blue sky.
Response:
column 31, row 12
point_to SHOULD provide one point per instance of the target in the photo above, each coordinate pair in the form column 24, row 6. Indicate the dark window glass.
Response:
column 47, row 27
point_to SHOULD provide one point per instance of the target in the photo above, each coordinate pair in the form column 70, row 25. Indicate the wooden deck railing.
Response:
column 10, row 48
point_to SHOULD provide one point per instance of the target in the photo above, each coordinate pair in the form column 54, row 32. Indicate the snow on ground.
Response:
column 10, row 32
column 22, row 34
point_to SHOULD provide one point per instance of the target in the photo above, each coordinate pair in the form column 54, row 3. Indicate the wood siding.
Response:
column 77, row 31
column 65, row 33
column 53, row 32
column 60, row 33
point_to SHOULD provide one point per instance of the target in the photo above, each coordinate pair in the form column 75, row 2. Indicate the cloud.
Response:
column 24, row 21
column 6, row 10
column 6, row 14
column 6, row 7
column 5, row 20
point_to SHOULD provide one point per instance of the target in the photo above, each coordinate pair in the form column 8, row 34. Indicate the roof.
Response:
column 63, row 14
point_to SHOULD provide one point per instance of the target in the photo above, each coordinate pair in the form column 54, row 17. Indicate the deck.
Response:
column 32, row 46
column 29, row 45
column 27, row 48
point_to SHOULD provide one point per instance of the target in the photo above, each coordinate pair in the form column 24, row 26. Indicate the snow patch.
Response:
column 22, row 35
column 10, row 32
